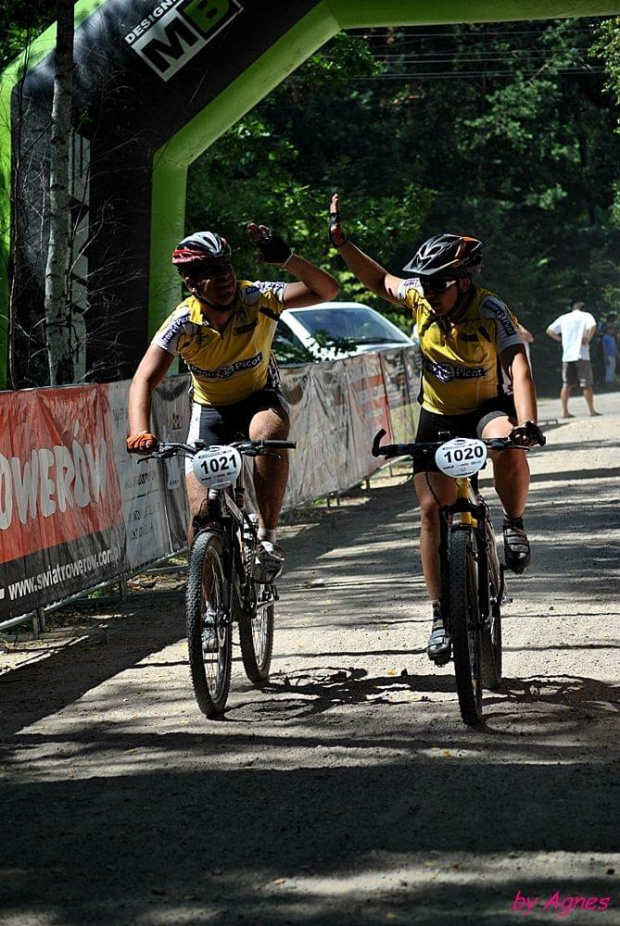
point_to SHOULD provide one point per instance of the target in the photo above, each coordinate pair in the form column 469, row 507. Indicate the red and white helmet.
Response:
column 199, row 248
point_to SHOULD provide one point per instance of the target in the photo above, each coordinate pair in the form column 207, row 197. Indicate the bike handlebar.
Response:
column 250, row 448
column 423, row 448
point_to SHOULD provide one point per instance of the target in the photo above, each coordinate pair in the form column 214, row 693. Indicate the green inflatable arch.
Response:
column 135, row 60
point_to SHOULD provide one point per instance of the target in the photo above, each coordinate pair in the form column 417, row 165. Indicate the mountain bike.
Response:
column 473, row 583
column 225, row 581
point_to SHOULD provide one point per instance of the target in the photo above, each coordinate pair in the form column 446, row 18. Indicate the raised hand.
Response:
column 271, row 248
column 336, row 232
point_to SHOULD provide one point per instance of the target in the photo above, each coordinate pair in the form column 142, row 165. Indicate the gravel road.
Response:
column 348, row 792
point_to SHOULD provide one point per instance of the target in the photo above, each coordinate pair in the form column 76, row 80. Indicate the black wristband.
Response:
column 335, row 222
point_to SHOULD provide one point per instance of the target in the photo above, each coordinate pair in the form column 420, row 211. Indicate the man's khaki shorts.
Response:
column 577, row 373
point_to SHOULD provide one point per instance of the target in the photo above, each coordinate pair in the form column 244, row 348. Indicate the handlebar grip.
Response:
column 283, row 444
column 376, row 451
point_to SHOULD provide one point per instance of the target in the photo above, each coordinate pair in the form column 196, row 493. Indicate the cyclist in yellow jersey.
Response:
column 473, row 360
column 224, row 332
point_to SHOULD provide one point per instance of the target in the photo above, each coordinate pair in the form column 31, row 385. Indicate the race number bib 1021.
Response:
column 217, row 466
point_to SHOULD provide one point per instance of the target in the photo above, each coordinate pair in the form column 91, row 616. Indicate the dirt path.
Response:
column 349, row 792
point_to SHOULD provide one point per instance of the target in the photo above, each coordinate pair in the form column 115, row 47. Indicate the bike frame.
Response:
column 228, row 515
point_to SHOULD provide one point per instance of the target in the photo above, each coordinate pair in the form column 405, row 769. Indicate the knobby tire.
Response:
column 465, row 625
column 491, row 642
column 256, row 622
column 207, row 587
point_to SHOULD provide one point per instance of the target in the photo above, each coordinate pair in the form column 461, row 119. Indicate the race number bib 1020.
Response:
column 461, row 456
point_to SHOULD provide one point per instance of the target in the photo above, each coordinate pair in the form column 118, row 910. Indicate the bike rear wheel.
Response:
column 208, row 609
column 256, row 623
column 465, row 625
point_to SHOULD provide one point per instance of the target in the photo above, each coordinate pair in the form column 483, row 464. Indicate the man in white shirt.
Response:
column 574, row 331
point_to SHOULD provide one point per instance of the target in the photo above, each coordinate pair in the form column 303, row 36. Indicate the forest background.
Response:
column 504, row 131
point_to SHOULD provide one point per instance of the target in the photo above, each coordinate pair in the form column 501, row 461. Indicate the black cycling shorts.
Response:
column 221, row 424
column 431, row 426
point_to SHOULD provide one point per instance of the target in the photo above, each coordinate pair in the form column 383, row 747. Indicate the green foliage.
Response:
column 501, row 131
column 506, row 131
column 284, row 166
column 24, row 21
column 607, row 46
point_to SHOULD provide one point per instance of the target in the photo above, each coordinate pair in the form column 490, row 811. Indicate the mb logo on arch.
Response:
column 175, row 30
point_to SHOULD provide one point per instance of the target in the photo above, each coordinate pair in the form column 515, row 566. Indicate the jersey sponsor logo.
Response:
column 175, row 30
column 229, row 370
column 276, row 287
column 502, row 315
column 446, row 372
column 175, row 328
column 243, row 329
column 467, row 337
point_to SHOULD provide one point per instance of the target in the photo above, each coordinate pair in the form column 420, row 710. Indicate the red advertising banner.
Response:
column 60, row 504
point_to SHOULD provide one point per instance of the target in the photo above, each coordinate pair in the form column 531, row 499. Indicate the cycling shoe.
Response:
column 209, row 633
column 269, row 562
column 516, row 545
column 439, row 646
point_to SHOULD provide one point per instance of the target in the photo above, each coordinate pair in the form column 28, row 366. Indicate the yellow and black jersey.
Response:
column 461, row 369
column 230, row 365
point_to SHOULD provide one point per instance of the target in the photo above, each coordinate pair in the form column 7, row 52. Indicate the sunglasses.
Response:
column 211, row 271
column 436, row 286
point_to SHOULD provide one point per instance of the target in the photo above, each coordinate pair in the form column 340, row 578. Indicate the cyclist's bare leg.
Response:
column 511, row 477
column 197, row 496
column 511, row 473
column 270, row 472
column 444, row 489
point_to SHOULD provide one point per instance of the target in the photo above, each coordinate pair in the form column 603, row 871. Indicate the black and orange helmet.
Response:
column 446, row 256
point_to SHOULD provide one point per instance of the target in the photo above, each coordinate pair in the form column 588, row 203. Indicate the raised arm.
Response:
column 315, row 285
column 375, row 277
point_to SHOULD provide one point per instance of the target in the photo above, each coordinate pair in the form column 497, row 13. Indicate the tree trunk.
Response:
column 57, row 308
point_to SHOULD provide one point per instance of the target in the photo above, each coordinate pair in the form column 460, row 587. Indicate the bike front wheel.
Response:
column 491, row 641
column 209, row 627
column 465, row 625
column 256, row 624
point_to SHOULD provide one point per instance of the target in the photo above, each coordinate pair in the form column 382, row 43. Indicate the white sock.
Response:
column 264, row 534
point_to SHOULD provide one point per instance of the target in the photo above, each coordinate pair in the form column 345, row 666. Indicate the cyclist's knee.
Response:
column 501, row 426
column 429, row 513
column 270, row 424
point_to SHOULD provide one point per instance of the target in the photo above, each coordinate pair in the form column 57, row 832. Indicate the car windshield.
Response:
column 359, row 325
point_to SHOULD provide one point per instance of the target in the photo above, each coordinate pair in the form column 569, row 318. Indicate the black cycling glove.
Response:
column 531, row 431
column 274, row 249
